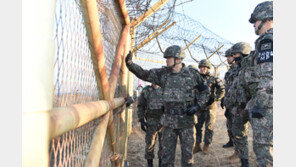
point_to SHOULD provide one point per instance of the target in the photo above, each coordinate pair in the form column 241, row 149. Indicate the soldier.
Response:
column 239, row 99
column 257, row 79
column 228, row 78
column 207, row 114
column 229, row 96
column 179, row 85
column 150, row 110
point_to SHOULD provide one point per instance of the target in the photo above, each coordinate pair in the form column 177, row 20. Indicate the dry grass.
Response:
column 216, row 158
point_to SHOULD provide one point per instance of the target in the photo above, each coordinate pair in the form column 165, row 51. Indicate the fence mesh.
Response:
column 74, row 77
column 182, row 33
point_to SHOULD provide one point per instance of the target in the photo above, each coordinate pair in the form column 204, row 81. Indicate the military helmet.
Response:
column 193, row 66
column 174, row 51
column 262, row 11
column 205, row 63
column 241, row 47
column 228, row 52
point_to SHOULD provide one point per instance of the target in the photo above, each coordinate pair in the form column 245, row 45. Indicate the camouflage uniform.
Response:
column 150, row 107
column 179, row 94
column 257, row 80
column 229, row 77
column 239, row 100
column 207, row 114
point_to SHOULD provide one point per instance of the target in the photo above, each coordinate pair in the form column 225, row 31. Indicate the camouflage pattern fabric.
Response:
column 240, row 131
column 229, row 121
column 228, row 78
column 207, row 115
column 237, row 99
column 150, row 106
column 169, row 143
column 259, row 83
column 179, row 93
column 152, row 133
column 208, row 118
column 230, row 92
column 262, row 11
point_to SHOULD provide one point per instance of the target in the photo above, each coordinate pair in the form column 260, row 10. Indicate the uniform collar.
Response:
column 182, row 69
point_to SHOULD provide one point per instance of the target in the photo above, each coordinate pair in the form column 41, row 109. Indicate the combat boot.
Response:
column 206, row 148
column 159, row 162
column 197, row 148
column 229, row 144
column 150, row 162
column 234, row 155
column 245, row 163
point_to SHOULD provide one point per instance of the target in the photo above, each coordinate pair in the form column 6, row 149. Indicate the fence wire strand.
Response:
column 74, row 77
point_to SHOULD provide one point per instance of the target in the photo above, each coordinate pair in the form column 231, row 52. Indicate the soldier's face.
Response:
column 170, row 61
column 256, row 25
column 230, row 59
column 203, row 70
column 155, row 86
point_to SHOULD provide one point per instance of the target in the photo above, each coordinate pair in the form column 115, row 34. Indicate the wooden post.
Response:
column 150, row 60
column 192, row 42
column 149, row 39
column 150, row 11
column 215, row 52
column 92, row 23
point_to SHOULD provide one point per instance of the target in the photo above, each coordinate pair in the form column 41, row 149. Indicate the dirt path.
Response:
column 216, row 157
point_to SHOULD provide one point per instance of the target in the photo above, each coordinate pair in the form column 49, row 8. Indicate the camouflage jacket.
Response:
column 257, row 77
column 150, row 105
column 216, row 87
column 230, row 92
column 179, row 92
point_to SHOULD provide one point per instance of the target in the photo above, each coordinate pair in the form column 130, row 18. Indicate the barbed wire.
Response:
column 184, row 31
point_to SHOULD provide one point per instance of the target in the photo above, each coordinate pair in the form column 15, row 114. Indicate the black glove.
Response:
column 130, row 100
column 227, row 113
column 128, row 58
column 257, row 112
column 192, row 110
column 211, row 101
column 243, row 105
column 143, row 124
column 222, row 103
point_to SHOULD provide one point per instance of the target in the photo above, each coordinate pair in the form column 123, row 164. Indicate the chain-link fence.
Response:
column 74, row 77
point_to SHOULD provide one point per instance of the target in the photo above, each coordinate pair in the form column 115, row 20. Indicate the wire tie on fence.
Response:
column 115, row 156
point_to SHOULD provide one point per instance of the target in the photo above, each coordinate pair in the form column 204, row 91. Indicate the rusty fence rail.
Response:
column 88, row 121
column 74, row 113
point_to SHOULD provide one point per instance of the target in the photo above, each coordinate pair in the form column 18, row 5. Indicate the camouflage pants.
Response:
column 208, row 118
column 169, row 143
column 263, row 139
column 240, row 131
column 151, row 134
column 229, row 121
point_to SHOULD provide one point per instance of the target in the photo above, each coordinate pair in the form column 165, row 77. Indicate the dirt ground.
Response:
column 216, row 158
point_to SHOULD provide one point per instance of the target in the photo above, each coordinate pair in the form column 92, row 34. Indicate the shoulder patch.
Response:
column 265, row 51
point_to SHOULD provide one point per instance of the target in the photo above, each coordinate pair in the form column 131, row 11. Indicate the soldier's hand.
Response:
column 257, row 112
column 129, row 100
column 222, row 103
column 128, row 58
column 192, row 110
column 143, row 124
